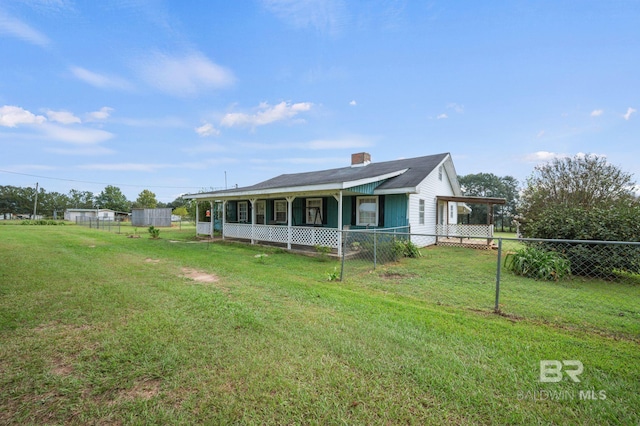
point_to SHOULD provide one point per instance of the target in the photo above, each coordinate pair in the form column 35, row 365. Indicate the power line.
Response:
column 101, row 183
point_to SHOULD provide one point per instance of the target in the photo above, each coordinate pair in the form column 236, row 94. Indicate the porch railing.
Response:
column 465, row 231
column 300, row 235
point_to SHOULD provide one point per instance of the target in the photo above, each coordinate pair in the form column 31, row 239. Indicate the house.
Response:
column 81, row 215
column 420, row 195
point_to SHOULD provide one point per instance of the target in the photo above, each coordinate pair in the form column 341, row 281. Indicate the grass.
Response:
column 99, row 328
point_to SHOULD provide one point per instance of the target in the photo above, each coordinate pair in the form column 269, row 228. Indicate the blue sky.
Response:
column 176, row 96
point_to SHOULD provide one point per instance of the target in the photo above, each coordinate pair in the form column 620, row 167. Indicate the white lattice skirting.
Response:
column 300, row 235
column 467, row 231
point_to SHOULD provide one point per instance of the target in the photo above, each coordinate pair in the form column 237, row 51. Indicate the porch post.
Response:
column 197, row 218
column 339, row 199
column 224, row 216
column 489, row 222
column 211, row 217
column 253, row 217
column 289, row 220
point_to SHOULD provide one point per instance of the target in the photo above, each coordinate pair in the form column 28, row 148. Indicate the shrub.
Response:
column 615, row 223
column 405, row 248
column 155, row 232
column 540, row 264
column 323, row 251
column 43, row 222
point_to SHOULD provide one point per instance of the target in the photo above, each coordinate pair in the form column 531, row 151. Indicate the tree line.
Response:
column 21, row 200
column 560, row 192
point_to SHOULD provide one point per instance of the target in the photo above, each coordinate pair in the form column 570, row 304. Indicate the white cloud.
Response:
column 540, row 134
column 14, row 27
column 63, row 117
column 328, row 16
column 12, row 116
column 543, row 156
column 75, row 135
column 266, row 114
column 90, row 150
column 630, row 111
column 152, row 122
column 102, row 114
column 207, row 129
column 183, row 75
column 456, row 107
column 442, row 116
column 100, row 80
column 353, row 103
column 597, row 112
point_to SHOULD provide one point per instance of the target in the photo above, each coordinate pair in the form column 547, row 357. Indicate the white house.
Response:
column 418, row 195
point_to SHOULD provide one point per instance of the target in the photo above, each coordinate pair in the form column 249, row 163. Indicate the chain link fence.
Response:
column 107, row 224
column 586, row 285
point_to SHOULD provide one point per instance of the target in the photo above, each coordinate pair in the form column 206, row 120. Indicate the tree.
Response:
column 146, row 200
column 112, row 198
column 584, row 198
column 583, row 182
column 180, row 211
column 17, row 200
column 490, row 185
column 81, row 199
column 52, row 202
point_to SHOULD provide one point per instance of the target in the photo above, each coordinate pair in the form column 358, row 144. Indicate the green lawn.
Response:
column 99, row 328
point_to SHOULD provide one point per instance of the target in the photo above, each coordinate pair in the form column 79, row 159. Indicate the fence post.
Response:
column 498, row 270
column 375, row 249
column 344, row 249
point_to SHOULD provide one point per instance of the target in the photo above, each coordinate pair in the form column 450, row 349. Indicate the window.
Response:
column 243, row 211
column 440, row 173
column 421, row 212
column 451, row 211
column 314, row 211
column 260, row 212
column 367, row 211
column 280, row 210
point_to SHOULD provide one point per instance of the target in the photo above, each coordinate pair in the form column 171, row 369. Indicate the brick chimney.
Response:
column 360, row 159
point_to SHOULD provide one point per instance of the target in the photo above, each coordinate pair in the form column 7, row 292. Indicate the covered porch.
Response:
column 466, row 235
column 303, row 219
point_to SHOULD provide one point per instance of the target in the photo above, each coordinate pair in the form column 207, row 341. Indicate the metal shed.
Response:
column 151, row 217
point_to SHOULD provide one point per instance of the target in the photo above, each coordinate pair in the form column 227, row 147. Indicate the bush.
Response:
column 42, row 222
column 405, row 248
column 155, row 232
column 540, row 264
column 614, row 223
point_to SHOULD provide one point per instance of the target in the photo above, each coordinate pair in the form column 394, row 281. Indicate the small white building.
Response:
column 79, row 215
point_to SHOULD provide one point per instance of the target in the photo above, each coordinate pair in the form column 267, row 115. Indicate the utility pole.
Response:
column 35, row 202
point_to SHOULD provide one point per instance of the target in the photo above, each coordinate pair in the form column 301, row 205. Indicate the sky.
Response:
column 183, row 96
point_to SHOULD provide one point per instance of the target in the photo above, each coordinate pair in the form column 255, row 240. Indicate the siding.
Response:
column 428, row 189
column 395, row 210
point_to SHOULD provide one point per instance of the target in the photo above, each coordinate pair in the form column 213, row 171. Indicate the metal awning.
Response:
column 472, row 200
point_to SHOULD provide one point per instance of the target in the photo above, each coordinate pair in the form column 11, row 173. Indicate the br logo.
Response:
column 551, row 370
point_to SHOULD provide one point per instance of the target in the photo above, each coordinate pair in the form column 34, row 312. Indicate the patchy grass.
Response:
column 102, row 329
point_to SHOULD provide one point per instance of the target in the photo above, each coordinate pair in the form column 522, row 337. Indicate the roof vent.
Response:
column 360, row 159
